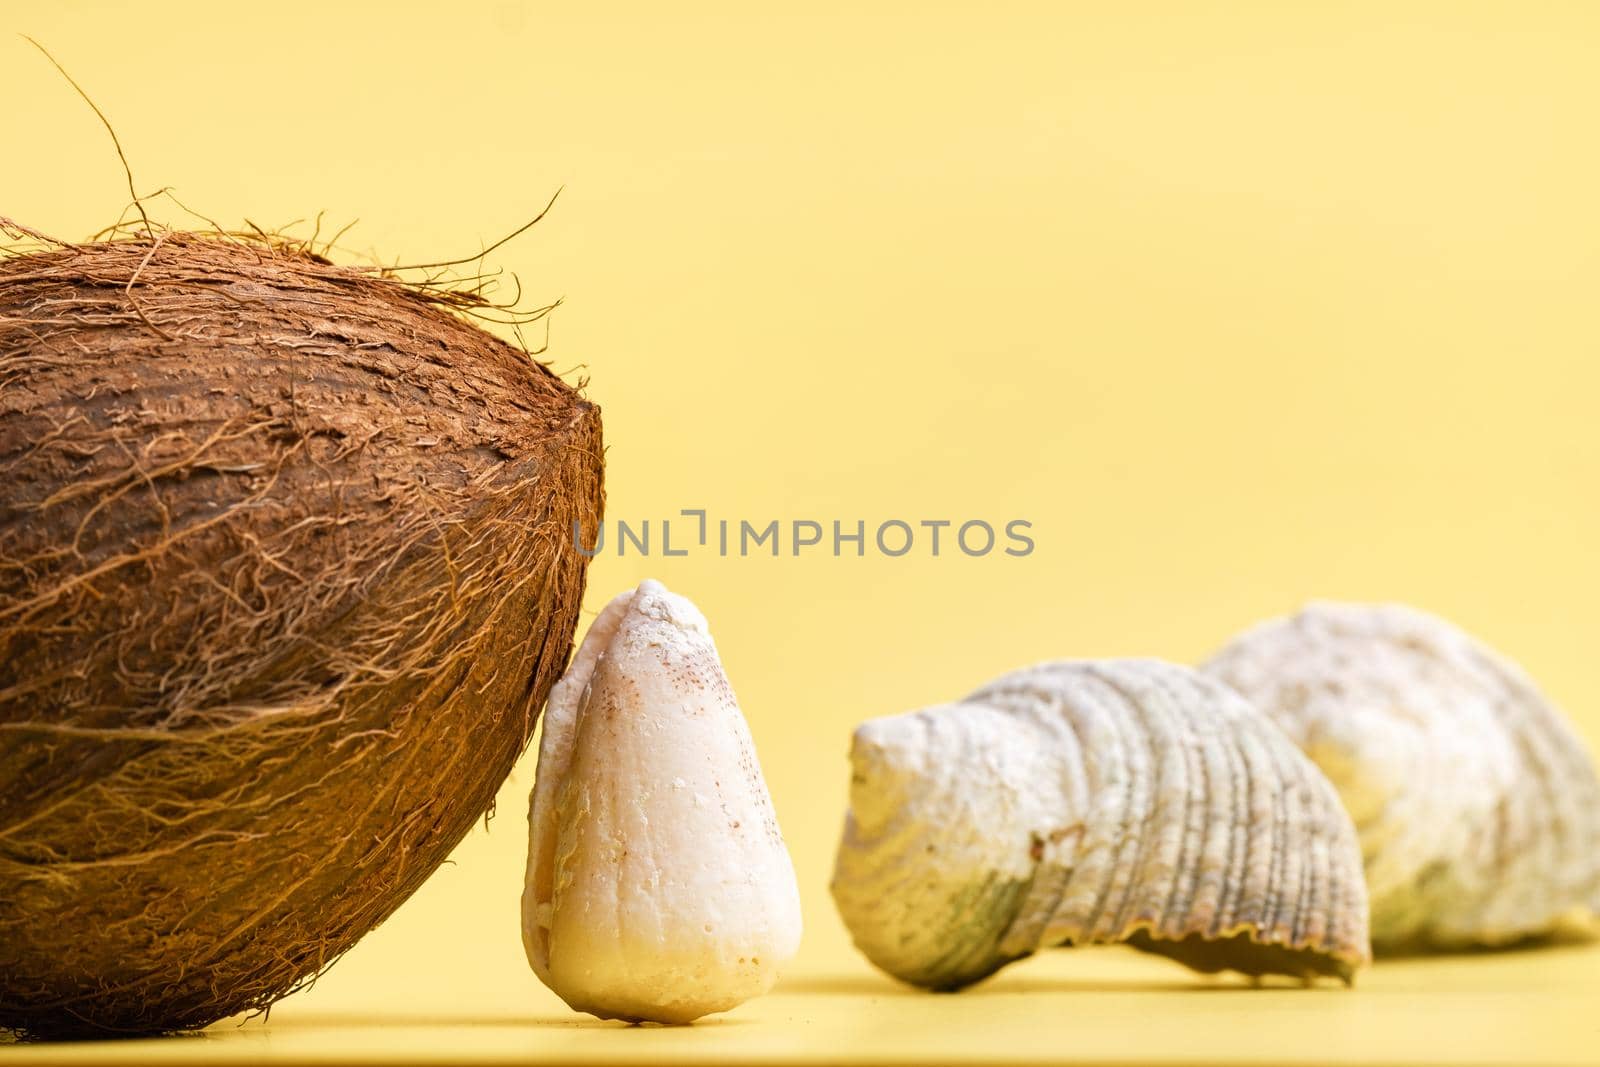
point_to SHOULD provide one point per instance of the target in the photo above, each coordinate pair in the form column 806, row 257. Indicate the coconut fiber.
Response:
column 286, row 571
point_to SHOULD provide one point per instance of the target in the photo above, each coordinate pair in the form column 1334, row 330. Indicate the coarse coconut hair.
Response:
column 287, row 569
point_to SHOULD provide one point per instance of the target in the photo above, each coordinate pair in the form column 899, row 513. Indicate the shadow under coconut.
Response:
column 576, row 1021
column 301, row 1021
column 9, row 1039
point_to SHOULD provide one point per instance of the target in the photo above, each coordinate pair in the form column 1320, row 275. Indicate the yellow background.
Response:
column 1239, row 304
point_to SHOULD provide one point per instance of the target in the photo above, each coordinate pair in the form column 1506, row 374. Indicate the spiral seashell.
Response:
column 1477, row 807
column 1086, row 802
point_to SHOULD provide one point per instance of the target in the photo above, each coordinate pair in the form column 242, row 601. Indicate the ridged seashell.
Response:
column 1085, row 802
column 1477, row 807
column 658, row 885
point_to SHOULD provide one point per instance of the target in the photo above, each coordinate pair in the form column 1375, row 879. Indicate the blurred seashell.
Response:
column 1088, row 802
column 1477, row 807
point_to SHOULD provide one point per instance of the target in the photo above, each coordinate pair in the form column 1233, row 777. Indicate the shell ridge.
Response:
column 1052, row 873
column 1183, row 759
column 1106, row 704
column 1283, row 882
column 1299, row 825
column 1194, row 871
column 1065, row 917
column 1238, row 843
column 1156, row 730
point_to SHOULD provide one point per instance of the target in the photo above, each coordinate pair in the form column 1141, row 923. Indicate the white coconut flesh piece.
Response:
column 658, row 885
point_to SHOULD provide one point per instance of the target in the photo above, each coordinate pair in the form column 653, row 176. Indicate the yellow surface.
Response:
column 1238, row 304
column 1091, row 1006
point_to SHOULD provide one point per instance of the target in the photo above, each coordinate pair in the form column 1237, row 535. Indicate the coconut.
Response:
column 287, row 569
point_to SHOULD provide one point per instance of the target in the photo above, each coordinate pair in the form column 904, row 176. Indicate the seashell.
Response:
column 658, row 885
column 1089, row 802
column 1477, row 808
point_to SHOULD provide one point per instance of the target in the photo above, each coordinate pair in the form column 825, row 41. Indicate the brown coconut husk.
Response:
column 286, row 572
